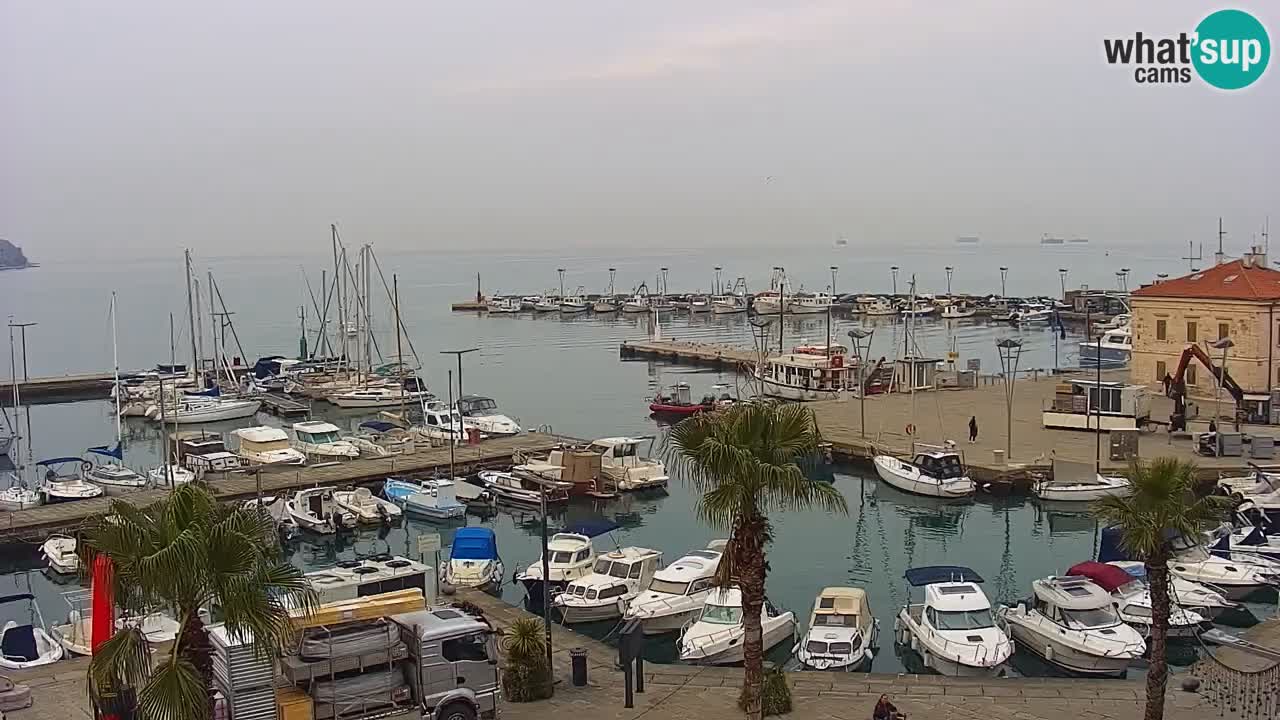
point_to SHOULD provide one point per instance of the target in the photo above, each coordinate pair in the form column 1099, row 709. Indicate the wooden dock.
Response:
column 62, row 388
column 39, row 522
column 282, row 405
column 687, row 353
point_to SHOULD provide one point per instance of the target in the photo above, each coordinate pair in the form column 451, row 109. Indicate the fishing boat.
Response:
column 804, row 376
column 607, row 304
column 529, row 302
column 429, row 499
column 1133, row 600
column 938, row 472
column 265, row 445
column 809, row 304
column 322, row 441
column 716, row 637
column 59, row 552
column 638, row 302
column 1072, row 623
column 481, row 413
column 951, row 626
column 602, row 594
column 575, row 303
column 767, row 303
column 61, row 485
column 678, row 402
column 699, row 304
column 204, row 409
column 473, row 560
column 410, row 390
column 367, row 508
column 1114, row 348
column 521, row 489
column 314, row 509
column 842, row 631
column 622, row 464
column 503, row 306
column 728, row 304
column 27, row 645
column 546, row 304
column 919, row 308
column 877, row 307
column 958, row 310
column 570, row 555
column 1085, row 490
column 678, row 591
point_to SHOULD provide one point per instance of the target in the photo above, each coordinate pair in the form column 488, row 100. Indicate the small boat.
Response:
column 842, row 631
column 473, row 560
column 410, row 391
column 958, row 310
column 920, row 308
column 1249, row 540
column 1031, row 313
column 503, row 306
column 546, row 304
column 76, row 634
column 603, row 594
column 933, row 473
column 175, row 475
column 576, row 303
column 951, row 627
column 321, row 441
column 194, row 410
column 715, row 638
column 878, row 307
column 60, row 552
column 481, row 413
column 113, row 477
column 699, row 304
column 1114, row 348
column 17, row 496
column 366, row 507
column 1072, row 623
column 679, row 402
column 28, row 645
column 1081, row 490
column 605, row 305
column 728, row 304
column 521, row 489
column 430, row 499
column 1204, row 600
column 314, row 509
column 678, row 591
column 804, row 376
column 1235, row 576
column 809, row 304
column 379, row 438
column 59, row 485
column 621, row 463
column 1133, row 600
column 570, row 555
column 264, row 445
column 439, row 422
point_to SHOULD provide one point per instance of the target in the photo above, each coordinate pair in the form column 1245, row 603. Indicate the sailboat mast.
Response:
column 213, row 333
column 115, row 363
column 198, row 330
column 191, row 316
column 395, row 300
column 173, row 354
column 368, row 312
column 17, row 404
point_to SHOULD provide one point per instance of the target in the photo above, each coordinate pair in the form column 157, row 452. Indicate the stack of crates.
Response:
column 245, row 680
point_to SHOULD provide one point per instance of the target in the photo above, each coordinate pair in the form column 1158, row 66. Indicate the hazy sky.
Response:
column 241, row 127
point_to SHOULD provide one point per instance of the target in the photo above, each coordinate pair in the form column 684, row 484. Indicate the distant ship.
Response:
column 842, row 242
column 1046, row 240
column 969, row 239
column 1079, row 240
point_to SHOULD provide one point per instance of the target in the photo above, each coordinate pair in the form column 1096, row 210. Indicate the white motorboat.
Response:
column 1082, row 490
column 58, row 485
column 60, row 552
column 728, row 304
column 933, row 473
column 17, row 496
column 112, row 477
column 314, row 509
column 767, row 303
column 440, row 423
column 175, row 475
column 920, row 308
column 715, row 638
column 473, row 560
column 621, row 463
column 322, row 441
column 604, row 305
column 637, row 303
column 1032, row 313
column 410, row 391
column 1119, row 321
column 878, row 307
column 366, row 507
column 529, row 302
column 809, row 304
column 603, row 594
column 27, row 645
column 1248, row 540
column 503, row 306
column 1237, row 575
column 1133, row 600
column 842, row 631
column 379, row 438
column 265, row 445
column 805, row 376
column 699, row 304
column 958, row 310
column 678, row 591
column 430, row 499
column 1202, row 599
column 75, row 635
column 573, row 304
column 951, row 627
column 194, row 410
column 1115, row 347
column 520, row 489
column 1072, row 623
column 546, row 304
column 481, row 413
column 569, row 557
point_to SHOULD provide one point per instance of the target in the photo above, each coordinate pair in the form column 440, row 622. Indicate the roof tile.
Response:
column 1228, row 281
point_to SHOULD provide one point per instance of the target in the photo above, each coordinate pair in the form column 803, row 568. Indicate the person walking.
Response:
column 973, row 428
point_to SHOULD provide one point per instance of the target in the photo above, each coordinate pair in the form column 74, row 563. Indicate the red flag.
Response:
column 104, row 615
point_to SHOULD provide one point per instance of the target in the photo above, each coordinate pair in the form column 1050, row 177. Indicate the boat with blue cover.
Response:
column 430, row 499
column 473, row 560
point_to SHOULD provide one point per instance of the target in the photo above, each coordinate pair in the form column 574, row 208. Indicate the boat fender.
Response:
column 928, row 659
column 911, row 429
column 1048, row 653
column 622, row 606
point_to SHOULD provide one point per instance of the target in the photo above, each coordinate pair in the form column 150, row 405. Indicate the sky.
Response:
column 142, row 126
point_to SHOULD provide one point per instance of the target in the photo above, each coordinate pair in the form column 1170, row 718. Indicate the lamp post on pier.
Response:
column 949, row 270
column 1010, row 353
column 862, row 351
column 894, row 270
column 1062, row 280
column 1223, row 344
column 1004, row 275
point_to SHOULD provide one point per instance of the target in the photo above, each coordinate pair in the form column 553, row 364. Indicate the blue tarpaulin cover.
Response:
column 474, row 543
column 932, row 574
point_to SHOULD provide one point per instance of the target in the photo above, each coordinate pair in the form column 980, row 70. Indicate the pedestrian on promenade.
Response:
column 973, row 428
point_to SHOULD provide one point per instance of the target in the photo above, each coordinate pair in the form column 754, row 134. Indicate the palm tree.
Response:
column 747, row 462
column 1162, row 505
column 182, row 554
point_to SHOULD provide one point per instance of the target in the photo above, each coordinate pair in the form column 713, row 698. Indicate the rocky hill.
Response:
column 11, row 255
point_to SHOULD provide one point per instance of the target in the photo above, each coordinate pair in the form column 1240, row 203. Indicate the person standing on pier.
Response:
column 973, row 428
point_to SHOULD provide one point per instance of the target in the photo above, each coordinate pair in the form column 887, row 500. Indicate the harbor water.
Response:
column 564, row 373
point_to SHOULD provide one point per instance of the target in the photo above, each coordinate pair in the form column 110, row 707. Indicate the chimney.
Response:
column 1255, row 258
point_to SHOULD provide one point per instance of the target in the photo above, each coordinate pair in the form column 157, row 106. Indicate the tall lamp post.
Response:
column 459, row 353
column 862, row 351
column 949, row 270
column 1222, row 344
column 1062, row 280
column 834, row 268
column 1010, row 353
column 894, row 270
column 1004, row 275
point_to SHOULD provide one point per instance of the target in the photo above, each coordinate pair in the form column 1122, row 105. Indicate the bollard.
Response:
column 578, row 661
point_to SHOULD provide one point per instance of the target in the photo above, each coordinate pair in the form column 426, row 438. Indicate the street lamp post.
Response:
column 1004, row 275
column 459, row 353
column 949, row 271
column 862, row 351
column 832, row 299
column 1062, row 280
column 1010, row 353
column 1222, row 344
column 894, row 270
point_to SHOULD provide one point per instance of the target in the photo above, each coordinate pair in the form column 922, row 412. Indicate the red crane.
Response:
column 1177, row 387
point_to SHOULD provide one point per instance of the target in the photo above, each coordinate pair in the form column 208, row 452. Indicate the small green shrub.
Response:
column 776, row 692
column 525, row 674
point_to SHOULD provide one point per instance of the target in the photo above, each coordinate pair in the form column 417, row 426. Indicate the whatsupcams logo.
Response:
column 1228, row 50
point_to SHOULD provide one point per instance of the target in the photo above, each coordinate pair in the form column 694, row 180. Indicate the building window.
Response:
column 1191, row 331
column 1160, row 370
column 1191, row 375
column 1160, row 329
column 1224, row 330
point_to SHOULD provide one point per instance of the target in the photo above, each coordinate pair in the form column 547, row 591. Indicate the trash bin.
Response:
column 578, row 661
column 997, row 457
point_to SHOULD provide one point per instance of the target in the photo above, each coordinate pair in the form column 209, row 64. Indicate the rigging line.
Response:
column 399, row 320
column 230, row 324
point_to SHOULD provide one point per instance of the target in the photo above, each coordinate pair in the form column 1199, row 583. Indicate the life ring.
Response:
column 911, row 429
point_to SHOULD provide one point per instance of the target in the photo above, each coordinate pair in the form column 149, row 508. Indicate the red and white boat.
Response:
column 679, row 402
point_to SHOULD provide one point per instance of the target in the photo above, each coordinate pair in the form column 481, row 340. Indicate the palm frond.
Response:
column 122, row 661
column 174, row 692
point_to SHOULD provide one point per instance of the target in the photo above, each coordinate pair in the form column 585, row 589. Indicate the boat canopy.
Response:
column 379, row 425
column 59, row 461
column 1111, row 544
column 591, row 528
column 474, row 543
column 115, row 452
column 1255, row 537
column 211, row 392
column 1071, row 593
column 6, row 599
column 267, row 367
column 1107, row 577
column 934, row 574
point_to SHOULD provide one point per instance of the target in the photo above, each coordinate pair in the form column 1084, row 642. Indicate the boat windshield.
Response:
column 324, row 438
column 561, row 557
column 478, row 406
column 267, row 446
column 835, row 648
column 604, row 567
column 1088, row 619
column 669, row 587
column 721, row 615
column 963, row 620
column 836, row 621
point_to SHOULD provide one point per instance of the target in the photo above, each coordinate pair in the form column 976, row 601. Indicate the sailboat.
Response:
column 113, row 476
column 17, row 495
